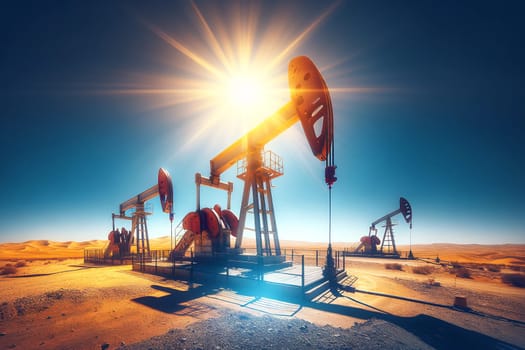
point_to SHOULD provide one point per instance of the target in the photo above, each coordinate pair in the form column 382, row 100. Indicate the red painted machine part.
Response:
column 369, row 240
column 165, row 191
column 406, row 210
column 311, row 97
column 211, row 222
column 192, row 222
column 231, row 220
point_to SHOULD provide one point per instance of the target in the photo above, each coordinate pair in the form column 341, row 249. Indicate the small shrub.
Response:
column 493, row 268
column 514, row 279
column 8, row 270
column 433, row 283
column 462, row 272
column 423, row 270
column 21, row 263
column 455, row 264
column 394, row 266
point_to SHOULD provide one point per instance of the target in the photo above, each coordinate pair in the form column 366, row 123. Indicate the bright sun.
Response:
column 242, row 76
column 244, row 91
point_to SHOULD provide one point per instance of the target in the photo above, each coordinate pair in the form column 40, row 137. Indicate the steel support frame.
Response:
column 225, row 186
column 140, row 230
column 388, row 236
column 258, row 182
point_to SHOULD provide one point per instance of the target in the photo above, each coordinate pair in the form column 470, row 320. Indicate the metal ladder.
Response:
column 183, row 239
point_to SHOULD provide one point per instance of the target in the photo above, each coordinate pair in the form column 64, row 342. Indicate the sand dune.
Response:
column 46, row 249
column 505, row 254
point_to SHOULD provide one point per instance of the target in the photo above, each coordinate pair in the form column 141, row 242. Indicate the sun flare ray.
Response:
column 245, row 79
column 294, row 43
column 212, row 39
column 187, row 52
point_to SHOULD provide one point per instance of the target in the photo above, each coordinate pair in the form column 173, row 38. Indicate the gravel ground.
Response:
column 245, row 331
column 32, row 304
column 110, row 308
column 437, row 329
column 486, row 302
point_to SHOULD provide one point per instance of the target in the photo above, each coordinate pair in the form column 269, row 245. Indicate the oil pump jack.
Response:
column 311, row 104
column 120, row 243
column 369, row 243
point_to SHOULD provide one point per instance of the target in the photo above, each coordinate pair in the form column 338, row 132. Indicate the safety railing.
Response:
column 314, row 257
column 272, row 162
column 99, row 256
column 402, row 254
column 305, row 268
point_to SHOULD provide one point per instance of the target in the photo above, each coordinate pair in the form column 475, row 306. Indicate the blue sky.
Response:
column 427, row 97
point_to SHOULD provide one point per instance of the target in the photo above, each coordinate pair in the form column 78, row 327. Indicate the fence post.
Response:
column 292, row 254
column 227, row 268
column 344, row 261
column 260, row 268
column 302, row 273
column 316, row 257
column 172, row 258
column 156, row 258
column 191, row 268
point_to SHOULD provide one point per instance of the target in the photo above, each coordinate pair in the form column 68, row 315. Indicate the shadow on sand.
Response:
column 52, row 273
column 433, row 331
column 173, row 302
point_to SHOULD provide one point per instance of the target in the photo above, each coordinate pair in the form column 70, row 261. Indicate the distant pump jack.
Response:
column 368, row 244
column 119, row 244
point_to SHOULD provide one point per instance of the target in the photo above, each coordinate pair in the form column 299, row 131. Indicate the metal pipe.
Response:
column 273, row 221
column 257, row 218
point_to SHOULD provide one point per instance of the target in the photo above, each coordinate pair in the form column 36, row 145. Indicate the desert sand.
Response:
column 504, row 254
column 55, row 301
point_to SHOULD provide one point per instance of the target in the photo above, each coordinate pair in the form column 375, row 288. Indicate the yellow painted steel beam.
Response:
column 255, row 139
column 148, row 194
